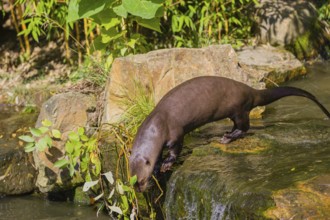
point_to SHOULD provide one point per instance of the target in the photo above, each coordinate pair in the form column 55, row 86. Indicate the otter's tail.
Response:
column 267, row 96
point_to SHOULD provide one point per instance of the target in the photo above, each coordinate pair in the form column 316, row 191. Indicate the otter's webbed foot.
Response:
column 167, row 163
column 229, row 137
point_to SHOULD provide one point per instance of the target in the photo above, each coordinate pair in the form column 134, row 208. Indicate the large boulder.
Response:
column 281, row 22
column 293, row 25
column 162, row 70
column 67, row 112
column 274, row 65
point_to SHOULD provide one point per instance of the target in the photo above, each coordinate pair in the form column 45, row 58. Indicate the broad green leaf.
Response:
column 153, row 24
column 41, row 144
column 29, row 147
column 73, row 136
column 109, row 177
column 84, row 9
column 43, row 130
column 81, row 131
column 84, row 138
column 71, row 169
column 26, row 138
column 107, row 18
column 35, row 132
column 46, row 123
column 69, row 147
column 133, row 180
column 124, row 203
column 56, row 133
column 111, row 34
column 120, row 11
column 88, row 185
column 142, row 8
column 48, row 140
column 61, row 163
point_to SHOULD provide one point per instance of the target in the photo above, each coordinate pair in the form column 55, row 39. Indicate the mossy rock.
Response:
column 307, row 200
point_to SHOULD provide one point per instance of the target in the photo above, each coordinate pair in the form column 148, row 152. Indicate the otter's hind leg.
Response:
column 241, row 126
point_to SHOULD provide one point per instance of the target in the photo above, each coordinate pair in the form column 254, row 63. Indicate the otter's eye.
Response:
column 147, row 162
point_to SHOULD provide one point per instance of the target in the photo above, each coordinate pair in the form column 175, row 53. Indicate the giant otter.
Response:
column 192, row 104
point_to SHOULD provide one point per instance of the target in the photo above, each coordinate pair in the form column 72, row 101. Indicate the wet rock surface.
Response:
column 17, row 171
column 243, row 179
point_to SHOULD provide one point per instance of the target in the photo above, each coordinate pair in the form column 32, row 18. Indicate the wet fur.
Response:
column 192, row 104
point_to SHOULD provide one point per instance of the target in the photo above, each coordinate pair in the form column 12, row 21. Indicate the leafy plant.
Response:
column 137, row 104
column 81, row 157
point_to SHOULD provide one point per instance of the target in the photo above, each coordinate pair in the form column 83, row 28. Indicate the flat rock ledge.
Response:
column 274, row 65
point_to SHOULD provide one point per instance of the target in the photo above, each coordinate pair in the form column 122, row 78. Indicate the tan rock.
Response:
column 162, row 70
column 67, row 112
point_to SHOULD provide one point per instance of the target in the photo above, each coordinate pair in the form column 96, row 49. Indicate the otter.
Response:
column 192, row 104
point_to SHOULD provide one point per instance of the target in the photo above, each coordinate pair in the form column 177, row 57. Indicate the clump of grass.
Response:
column 93, row 70
column 138, row 105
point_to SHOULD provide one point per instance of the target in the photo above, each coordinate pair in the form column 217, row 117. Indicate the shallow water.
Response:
column 30, row 207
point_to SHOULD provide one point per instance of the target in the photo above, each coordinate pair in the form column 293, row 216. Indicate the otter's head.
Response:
column 142, row 168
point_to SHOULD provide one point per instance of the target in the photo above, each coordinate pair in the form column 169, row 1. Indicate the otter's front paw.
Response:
column 167, row 164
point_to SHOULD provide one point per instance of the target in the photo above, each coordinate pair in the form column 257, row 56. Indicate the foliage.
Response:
column 78, row 149
column 324, row 13
column 116, row 28
column 137, row 104
column 197, row 23
column 81, row 158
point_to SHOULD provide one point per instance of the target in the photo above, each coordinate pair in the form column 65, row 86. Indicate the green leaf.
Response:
column 43, row 130
column 71, row 169
column 42, row 144
column 35, row 132
column 84, row 9
column 26, row 138
column 84, row 138
column 69, row 147
column 142, row 8
column 110, row 35
column 153, row 24
column 46, row 123
column 29, row 147
column 61, row 163
column 120, row 11
column 81, row 131
column 73, row 136
column 133, row 180
column 56, row 133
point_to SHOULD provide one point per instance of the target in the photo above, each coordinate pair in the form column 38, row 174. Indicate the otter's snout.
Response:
column 141, row 186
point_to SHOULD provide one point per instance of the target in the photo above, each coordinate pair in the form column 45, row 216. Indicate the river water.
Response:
column 289, row 120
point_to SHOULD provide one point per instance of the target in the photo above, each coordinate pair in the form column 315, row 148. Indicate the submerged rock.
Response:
column 17, row 171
